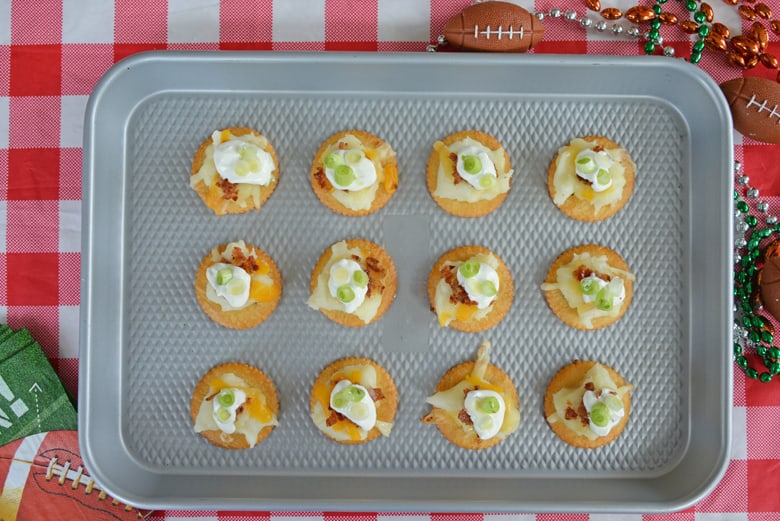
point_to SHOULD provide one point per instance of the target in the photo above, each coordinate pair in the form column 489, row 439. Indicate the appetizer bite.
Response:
column 470, row 289
column 469, row 173
column 589, row 287
column 587, row 404
column 238, row 285
column 354, row 400
column 235, row 170
column 475, row 405
column 354, row 173
column 353, row 283
column 591, row 178
column 235, row 406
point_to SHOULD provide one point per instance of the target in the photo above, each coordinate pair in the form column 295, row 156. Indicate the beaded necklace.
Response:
column 745, row 51
column 752, row 331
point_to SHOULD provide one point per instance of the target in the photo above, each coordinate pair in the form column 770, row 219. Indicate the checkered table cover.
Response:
column 52, row 53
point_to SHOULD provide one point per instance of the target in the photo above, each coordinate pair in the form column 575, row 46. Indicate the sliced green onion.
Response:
column 603, row 177
column 489, row 404
column 343, row 175
column 226, row 397
column 340, row 401
column 223, row 414
column 487, row 288
column 586, row 165
column 224, row 275
column 353, row 156
column 487, row 181
column 604, row 299
column 242, row 168
column 472, row 164
column 360, row 278
column 359, row 411
column 236, row 286
column 469, row 268
column 599, row 414
column 333, row 160
column 589, row 286
column 345, row 294
column 355, row 393
column 613, row 402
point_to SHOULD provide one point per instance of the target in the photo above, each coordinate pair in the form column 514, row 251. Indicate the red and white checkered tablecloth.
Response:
column 52, row 53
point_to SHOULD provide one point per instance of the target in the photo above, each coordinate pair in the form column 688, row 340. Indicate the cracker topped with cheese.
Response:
column 591, row 178
column 475, row 405
column 589, row 287
column 235, row 406
column 470, row 289
column 238, row 285
column 235, row 170
column 354, row 173
column 353, row 283
column 354, row 400
column 469, row 173
column 587, row 404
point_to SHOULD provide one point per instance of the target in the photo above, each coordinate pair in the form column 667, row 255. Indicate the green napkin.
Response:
column 32, row 398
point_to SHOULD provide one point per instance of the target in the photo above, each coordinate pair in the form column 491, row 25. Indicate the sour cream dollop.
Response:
column 354, row 402
column 225, row 404
column 604, row 410
column 241, row 162
column 475, row 166
column 348, row 284
column 480, row 281
column 229, row 282
column 486, row 410
column 349, row 169
column 594, row 167
column 606, row 294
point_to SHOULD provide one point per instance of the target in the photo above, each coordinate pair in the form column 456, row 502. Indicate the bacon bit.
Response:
column 229, row 190
column 376, row 394
column 373, row 265
column 356, row 258
column 584, row 272
column 459, row 295
column 598, row 148
column 570, row 413
column 582, row 412
column 333, row 418
column 590, row 387
column 322, row 179
column 456, row 177
column 374, row 284
column 238, row 256
column 464, row 417
column 250, row 265
column 342, row 145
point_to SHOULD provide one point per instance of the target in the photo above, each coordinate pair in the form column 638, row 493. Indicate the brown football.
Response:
column 755, row 107
column 493, row 26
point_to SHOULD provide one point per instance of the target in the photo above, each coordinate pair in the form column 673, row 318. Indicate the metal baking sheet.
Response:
column 145, row 342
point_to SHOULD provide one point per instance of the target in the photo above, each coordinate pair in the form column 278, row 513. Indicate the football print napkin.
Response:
column 32, row 399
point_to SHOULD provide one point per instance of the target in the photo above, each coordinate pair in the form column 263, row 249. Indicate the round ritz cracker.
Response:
column 387, row 279
column 504, row 298
column 558, row 303
column 450, row 427
column 584, row 210
column 255, row 379
column 571, row 376
column 215, row 197
column 323, row 188
column 247, row 317
column 386, row 407
column 465, row 208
